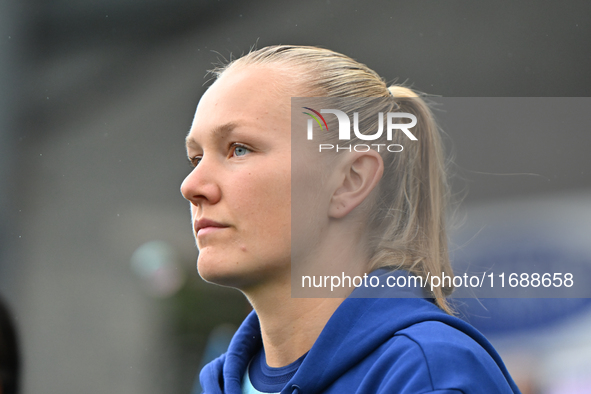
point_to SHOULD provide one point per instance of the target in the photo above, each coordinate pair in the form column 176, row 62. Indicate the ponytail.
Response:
column 413, row 196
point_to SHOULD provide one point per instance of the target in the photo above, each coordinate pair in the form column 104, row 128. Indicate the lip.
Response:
column 204, row 226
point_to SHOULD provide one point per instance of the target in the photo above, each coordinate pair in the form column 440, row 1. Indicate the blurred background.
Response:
column 97, row 260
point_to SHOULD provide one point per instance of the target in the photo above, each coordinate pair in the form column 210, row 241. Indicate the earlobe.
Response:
column 361, row 173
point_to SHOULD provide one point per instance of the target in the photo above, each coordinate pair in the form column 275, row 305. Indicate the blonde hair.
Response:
column 407, row 222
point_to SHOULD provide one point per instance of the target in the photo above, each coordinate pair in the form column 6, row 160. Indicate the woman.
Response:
column 263, row 204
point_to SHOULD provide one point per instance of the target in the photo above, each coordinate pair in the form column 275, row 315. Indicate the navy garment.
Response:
column 377, row 345
column 268, row 379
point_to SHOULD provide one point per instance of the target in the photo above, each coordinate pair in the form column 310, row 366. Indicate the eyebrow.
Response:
column 219, row 131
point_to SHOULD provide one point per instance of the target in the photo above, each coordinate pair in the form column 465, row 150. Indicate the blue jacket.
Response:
column 377, row 345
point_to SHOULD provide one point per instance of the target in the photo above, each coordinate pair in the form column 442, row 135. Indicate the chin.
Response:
column 239, row 274
column 220, row 271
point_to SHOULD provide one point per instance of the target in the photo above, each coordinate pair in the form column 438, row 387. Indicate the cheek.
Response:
column 309, row 205
column 266, row 198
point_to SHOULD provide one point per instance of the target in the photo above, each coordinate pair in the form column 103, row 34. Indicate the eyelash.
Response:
column 194, row 161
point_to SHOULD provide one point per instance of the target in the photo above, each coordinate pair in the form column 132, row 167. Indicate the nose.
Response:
column 200, row 186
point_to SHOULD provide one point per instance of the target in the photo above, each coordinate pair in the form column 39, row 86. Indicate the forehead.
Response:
column 246, row 95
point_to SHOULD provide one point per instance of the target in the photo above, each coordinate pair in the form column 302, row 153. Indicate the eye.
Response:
column 239, row 150
column 194, row 161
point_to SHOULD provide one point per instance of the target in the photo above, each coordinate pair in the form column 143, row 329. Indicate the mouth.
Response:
column 204, row 226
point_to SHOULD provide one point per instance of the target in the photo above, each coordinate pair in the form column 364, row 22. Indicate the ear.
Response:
column 361, row 173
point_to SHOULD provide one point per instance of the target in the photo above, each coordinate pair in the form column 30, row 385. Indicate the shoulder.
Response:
column 445, row 358
column 439, row 341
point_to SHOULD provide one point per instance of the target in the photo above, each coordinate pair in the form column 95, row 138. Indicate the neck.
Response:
column 290, row 326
